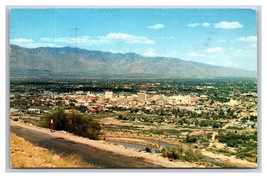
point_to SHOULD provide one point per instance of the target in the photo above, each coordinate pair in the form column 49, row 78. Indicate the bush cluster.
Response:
column 233, row 139
column 74, row 122
column 180, row 153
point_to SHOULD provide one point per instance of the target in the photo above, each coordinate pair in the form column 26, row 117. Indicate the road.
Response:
column 105, row 155
column 95, row 156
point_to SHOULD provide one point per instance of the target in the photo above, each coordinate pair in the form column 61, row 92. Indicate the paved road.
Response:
column 98, row 157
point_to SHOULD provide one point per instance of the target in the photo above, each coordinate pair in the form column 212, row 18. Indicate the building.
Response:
column 233, row 102
column 34, row 111
column 108, row 94
column 141, row 96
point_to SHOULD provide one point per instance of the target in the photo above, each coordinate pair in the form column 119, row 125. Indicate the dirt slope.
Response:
column 98, row 153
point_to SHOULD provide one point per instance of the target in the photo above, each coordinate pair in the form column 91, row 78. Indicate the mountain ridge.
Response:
column 67, row 61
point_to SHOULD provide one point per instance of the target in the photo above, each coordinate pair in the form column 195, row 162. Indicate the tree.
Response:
column 74, row 122
column 215, row 125
column 58, row 117
column 148, row 150
column 191, row 139
column 196, row 123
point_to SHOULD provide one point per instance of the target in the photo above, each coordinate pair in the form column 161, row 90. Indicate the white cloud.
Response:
column 150, row 53
column 169, row 53
column 228, row 25
column 227, row 63
column 20, row 40
column 110, row 38
column 193, row 54
column 79, row 40
column 36, row 45
column 214, row 50
column 157, row 26
column 205, row 24
column 254, row 45
column 58, row 40
column 193, row 24
column 29, row 43
column 248, row 39
column 129, row 39
column 172, row 53
column 62, row 40
column 250, row 52
column 210, row 63
column 46, row 39
column 84, row 40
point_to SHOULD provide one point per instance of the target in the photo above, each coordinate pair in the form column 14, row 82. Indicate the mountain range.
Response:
column 76, row 62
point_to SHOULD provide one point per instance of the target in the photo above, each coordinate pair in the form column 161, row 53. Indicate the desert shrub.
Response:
column 233, row 139
column 191, row 138
column 180, row 153
column 209, row 135
column 148, row 150
column 75, row 123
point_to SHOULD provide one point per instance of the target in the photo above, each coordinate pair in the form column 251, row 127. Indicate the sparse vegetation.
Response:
column 24, row 154
column 246, row 143
column 180, row 153
column 235, row 128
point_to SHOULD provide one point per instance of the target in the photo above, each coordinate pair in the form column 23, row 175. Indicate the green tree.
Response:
column 58, row 117
column 74, row 122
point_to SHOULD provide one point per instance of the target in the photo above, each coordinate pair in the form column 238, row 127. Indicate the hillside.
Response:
column 75, row 62
column 24, row 154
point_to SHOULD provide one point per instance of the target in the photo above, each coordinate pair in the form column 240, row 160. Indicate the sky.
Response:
column 216, row 36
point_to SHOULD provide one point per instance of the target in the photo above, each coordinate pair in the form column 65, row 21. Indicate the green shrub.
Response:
column 148, row 150
column 191, row 138
column 180, row 153
column 75, row 123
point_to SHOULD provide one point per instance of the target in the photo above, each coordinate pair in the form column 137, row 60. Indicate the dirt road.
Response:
column 95, row 152
column 90, row 154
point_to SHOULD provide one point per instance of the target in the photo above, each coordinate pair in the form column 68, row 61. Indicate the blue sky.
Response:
column 225, row 37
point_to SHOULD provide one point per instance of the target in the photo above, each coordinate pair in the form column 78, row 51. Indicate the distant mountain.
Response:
column 75, row 62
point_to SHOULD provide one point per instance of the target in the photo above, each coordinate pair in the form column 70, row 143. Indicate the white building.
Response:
column 233, row 102
column 108, row 94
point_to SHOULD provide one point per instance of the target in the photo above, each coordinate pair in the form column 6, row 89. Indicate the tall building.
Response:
column 141, row 96
column 108, row 94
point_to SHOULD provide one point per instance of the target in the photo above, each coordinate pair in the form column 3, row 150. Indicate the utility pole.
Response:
column 75, row 41
column 75, row 31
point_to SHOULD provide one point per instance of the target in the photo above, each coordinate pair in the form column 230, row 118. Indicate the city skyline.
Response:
column 224, row 37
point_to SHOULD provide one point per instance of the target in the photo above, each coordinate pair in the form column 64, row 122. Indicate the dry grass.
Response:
column 24, row 154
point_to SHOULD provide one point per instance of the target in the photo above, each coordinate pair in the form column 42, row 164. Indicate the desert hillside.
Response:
column 24, row 154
